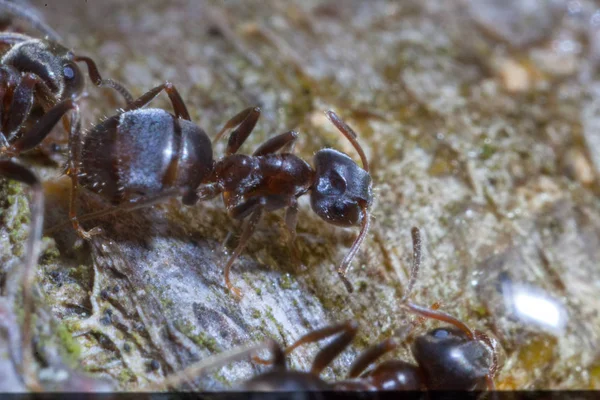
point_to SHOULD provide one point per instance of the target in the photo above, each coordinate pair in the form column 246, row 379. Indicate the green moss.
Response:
column 258, row 291
column 203, row 340
column 72, row 348
column 126, row 376
column 256, row 313
column 487, row 151
column 286, row 281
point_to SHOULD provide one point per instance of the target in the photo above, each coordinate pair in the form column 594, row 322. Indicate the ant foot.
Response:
column 237, row 293
column 87, row 235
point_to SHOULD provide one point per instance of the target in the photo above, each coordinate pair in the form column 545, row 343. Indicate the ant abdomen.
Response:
column 142, row 153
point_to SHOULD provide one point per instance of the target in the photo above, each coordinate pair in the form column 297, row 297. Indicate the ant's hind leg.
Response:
column 14, row 171
column 179, row 106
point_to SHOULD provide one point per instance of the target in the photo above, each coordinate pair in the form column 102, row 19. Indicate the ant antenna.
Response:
column 350, row 135
column 440, row 316
column 30, row 17
column 416, row 264
column 98, row 81
column 364, row 228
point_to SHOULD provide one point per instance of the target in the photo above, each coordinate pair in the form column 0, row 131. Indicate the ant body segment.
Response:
column 450, row 358
column 141, row 156
column 40, row 83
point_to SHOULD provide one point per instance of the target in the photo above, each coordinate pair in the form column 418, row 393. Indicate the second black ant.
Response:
column 141, row 156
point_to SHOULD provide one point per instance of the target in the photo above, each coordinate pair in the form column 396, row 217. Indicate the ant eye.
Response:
column 68, row 72
column 440, row 333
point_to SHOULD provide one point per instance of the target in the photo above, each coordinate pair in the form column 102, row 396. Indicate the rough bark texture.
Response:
column 480, row 119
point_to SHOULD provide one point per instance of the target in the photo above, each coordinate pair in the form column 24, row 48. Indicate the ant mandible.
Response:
column 455, row 358
column 39, row 84
column 141, row 156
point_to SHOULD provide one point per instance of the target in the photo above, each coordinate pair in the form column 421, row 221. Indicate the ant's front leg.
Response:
column 20, row 108
column 347, row 331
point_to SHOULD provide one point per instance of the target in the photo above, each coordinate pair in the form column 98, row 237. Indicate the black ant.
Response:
column 39, row 84
column 141, row 156
column 455, row 358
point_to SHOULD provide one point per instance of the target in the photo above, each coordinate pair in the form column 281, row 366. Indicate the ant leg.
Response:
column 134, row 205
column 42, row 128
column 416, row 264
column 245, row 121
column 30, row 17
column 325, row 356
column 371, row 355
column 73, row 173
column 98, row 81
column 14, row 171
column 208, row 191
column 219, row 360
column 254, row 208
column 284, row 140
column 343, row 268
column 176, row 100
column 493, row 345
column 291, row 220
column 22, row 101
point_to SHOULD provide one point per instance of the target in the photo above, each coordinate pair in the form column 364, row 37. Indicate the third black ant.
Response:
column 140, row 156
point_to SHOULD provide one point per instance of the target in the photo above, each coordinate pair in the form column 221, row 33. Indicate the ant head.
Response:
column 52, row 63
column 342, row 191
column 451, row 360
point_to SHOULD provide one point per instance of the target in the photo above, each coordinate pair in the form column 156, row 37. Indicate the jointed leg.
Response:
column 285, row 140
column 254, row 208
column 416, row 264
column 73, row 172
column 12, row 170
column 178, row 104
column 134, row 205
column 98, row 81
column 291, row 220
column 343, row 268
column 22, row 100
column 42, row 128
column 245, row 121
column 371, row 355
column 347, row 332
